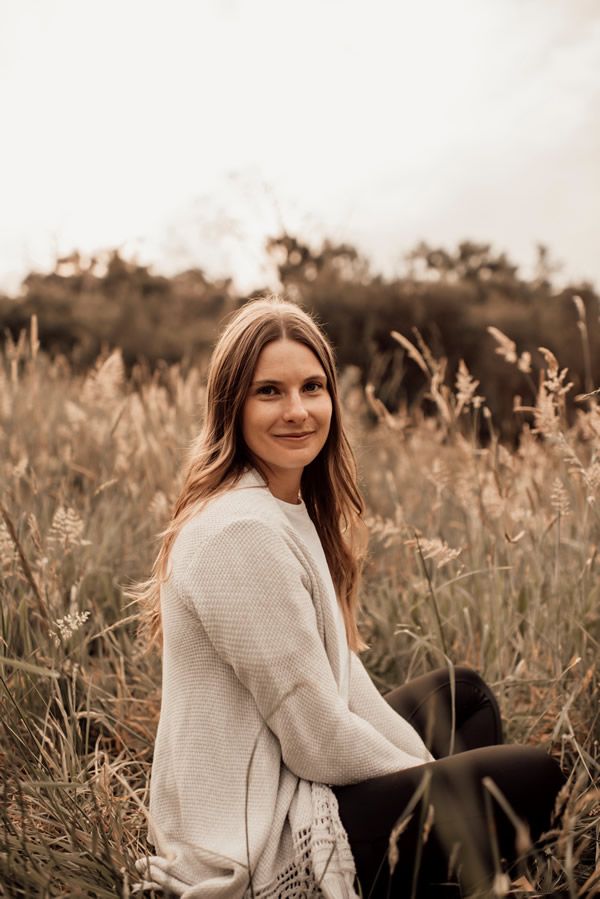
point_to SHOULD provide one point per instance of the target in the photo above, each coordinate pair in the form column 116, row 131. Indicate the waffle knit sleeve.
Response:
column 252, row 595
column 365, row 700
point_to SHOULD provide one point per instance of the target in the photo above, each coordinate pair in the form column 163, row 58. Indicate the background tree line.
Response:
column 445, row 299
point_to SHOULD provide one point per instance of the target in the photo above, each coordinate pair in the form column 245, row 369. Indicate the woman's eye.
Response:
column 311, row 387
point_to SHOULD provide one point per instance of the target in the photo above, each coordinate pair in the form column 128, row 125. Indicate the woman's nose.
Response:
column 294, row 407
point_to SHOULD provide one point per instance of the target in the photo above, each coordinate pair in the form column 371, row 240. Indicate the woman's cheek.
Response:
column 327, row 407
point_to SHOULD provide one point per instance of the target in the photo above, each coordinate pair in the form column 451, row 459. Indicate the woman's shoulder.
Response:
column 245, row 512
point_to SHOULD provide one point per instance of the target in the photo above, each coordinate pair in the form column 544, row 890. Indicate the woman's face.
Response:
column 288, row 396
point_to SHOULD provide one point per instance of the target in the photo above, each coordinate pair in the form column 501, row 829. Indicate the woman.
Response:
column 279, row 770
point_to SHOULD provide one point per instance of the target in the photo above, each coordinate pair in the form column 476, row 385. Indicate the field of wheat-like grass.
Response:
column 480, row 554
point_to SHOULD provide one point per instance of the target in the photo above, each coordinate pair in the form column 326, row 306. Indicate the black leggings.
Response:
column 467, row 828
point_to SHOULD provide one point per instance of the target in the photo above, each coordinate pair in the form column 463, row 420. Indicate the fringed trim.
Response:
column 323, row 865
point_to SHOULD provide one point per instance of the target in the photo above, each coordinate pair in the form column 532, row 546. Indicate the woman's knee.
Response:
column 463, row 677
column 439, row 682
column 469, row 676
column 530, row 780
column 543, row 768
column 483, row 697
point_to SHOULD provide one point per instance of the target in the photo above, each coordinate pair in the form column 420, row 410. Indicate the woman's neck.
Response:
column 284, row 485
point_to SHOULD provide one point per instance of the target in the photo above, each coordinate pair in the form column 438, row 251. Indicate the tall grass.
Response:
column 480, row 554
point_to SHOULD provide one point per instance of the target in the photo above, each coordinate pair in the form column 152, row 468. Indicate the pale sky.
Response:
column 186, row 132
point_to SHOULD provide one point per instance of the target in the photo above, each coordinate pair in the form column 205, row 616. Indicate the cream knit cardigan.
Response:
column 263, row 708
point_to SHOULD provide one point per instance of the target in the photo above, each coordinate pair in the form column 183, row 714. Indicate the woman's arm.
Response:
column 364, row 699
column 252, row 596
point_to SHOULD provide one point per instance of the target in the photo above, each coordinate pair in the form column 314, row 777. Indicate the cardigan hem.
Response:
column 322, row 867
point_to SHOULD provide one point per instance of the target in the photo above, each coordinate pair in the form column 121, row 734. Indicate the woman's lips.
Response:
column 294, row 439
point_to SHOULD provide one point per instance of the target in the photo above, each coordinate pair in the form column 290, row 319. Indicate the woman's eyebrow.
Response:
column 280, row 383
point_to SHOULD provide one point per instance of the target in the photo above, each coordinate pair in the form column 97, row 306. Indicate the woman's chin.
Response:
column 292, row 458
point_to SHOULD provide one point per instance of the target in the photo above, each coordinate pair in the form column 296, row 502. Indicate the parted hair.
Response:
column 217, row 457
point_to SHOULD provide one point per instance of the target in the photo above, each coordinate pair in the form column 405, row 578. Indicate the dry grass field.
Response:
column 480, row 554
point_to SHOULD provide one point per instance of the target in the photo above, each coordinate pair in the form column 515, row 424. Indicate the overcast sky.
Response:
column 187, row 131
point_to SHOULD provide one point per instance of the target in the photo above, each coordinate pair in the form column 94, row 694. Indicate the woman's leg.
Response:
column 428, row 702
column 467, row 820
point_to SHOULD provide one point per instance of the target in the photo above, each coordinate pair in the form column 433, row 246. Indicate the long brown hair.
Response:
column 218, row 456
